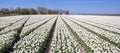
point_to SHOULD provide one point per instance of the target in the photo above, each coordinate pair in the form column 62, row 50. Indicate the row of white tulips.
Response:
column 30, row 27
column 62, row 41
column 102, row 21
column 5, row 21
column 97, row 44
column 33, row 42
column 113, row 28
column 36, row 18
column 111, row 36
column 14, row 26
column 6, row 40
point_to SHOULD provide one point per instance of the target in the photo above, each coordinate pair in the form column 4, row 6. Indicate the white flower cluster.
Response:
column 62, row 41
column 112, row 22
column 97, row 44
column 111, row 36
column 33, row 42
column 5, row 21
column 110, row 28
column 30, row 27
column 36, row 18
column 14, row 26
column 6, row 40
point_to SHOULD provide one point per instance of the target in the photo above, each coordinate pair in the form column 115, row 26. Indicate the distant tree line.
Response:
column 29, row 11
column 43, row 10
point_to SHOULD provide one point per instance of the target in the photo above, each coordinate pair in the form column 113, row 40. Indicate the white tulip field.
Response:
column 60, row 34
